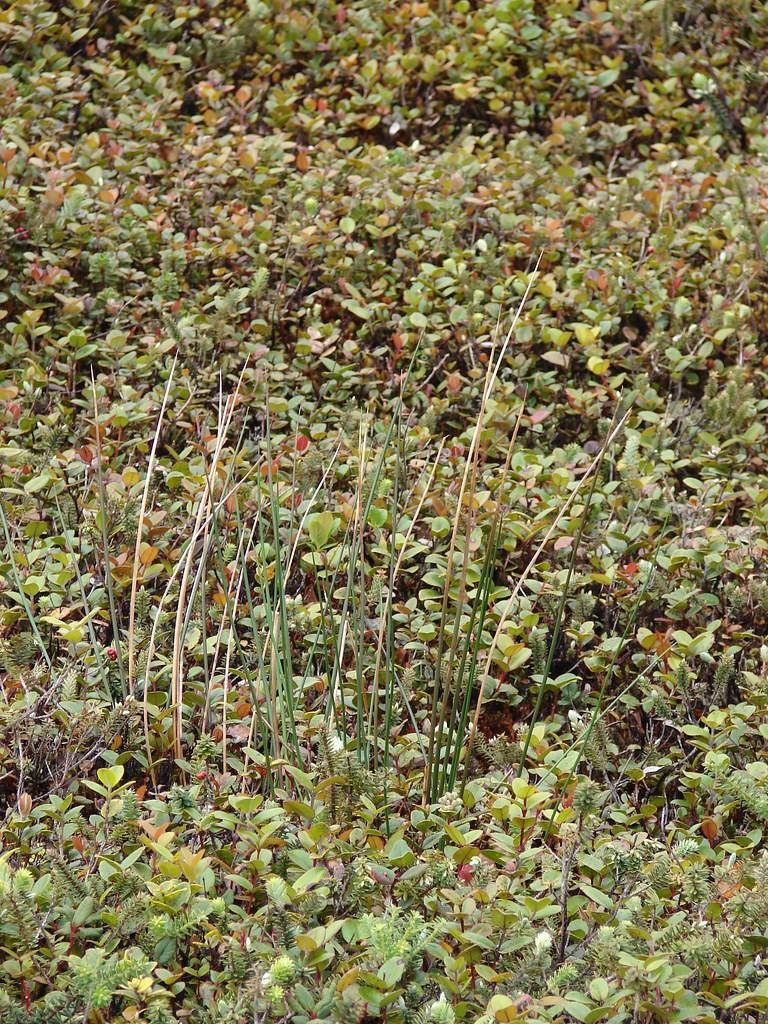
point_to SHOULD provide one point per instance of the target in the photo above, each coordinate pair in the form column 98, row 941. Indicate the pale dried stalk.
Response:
column 222, row 626
column 241, row 562
column 140, row 530
column 177, row 669
column 153, row 633
column 454, row 644
column 490, row 381
column 357, row 524
column 529, row 567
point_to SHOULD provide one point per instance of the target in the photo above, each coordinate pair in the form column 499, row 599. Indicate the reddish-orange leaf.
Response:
column 710, row 829
column 539, row 415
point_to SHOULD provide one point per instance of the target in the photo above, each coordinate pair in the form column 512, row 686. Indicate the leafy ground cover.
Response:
column 382, row 597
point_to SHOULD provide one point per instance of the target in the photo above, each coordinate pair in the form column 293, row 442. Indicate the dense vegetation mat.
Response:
column 382, row 595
